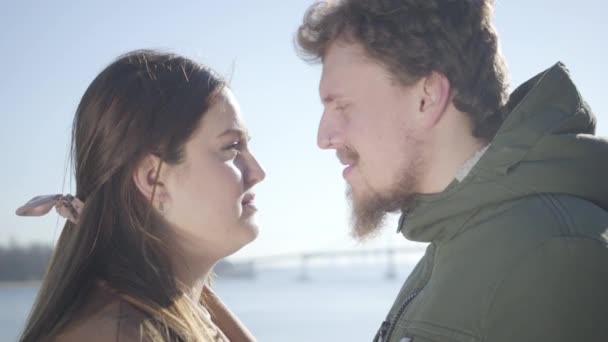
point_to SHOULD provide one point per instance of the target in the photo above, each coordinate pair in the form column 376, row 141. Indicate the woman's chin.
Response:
column 246, row 233
column 252, row 229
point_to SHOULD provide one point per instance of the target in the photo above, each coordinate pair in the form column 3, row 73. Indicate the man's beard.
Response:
column 368, row 213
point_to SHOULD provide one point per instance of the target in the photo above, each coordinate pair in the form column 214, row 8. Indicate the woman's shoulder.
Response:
column 105, row 317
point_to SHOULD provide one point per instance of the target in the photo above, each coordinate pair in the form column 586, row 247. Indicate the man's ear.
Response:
column 435, row 98
column 148, row 177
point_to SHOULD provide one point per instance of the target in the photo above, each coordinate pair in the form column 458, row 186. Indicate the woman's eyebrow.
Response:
column 236, row 131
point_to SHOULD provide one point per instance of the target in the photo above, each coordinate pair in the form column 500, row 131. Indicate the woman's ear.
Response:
column 148, row 177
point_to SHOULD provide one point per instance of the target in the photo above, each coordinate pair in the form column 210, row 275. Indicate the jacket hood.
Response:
column 545, row 145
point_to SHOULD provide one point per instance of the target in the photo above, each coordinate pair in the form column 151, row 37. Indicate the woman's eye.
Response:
column 235, row 145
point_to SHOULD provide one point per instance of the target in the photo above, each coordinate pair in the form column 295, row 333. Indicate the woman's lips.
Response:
column 248, row 202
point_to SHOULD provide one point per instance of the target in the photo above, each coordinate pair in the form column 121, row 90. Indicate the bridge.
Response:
column 250, row 267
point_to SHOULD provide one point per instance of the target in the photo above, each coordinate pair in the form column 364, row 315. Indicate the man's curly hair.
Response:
column 413, row 38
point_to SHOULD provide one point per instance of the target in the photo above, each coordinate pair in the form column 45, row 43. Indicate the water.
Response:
column 336, row 304
column 15, row 303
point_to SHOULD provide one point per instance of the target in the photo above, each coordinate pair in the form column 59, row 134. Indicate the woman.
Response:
column 164, row 183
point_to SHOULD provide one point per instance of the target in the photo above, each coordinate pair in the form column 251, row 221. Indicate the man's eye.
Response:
column 341, row 107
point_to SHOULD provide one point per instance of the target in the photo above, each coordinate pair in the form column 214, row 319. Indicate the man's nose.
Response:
column 329, row 134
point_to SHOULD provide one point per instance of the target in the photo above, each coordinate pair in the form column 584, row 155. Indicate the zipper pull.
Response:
column 381, row 334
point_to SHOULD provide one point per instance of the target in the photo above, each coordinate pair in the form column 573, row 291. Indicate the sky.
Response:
column 51, row 50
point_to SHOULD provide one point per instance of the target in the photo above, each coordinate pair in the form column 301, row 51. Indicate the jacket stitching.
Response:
column 559, row 216
column 566, row 214
column 445, row 334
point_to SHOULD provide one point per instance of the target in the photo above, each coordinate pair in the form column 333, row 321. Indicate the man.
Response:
column 511, row 195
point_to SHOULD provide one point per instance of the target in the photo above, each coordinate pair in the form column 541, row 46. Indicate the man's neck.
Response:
column 453, row 152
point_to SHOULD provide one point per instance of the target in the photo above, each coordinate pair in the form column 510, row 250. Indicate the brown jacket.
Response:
column 108, row 317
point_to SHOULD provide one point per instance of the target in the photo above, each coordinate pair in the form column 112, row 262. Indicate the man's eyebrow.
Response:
column 327, row 99
column 331, row 97
column 244, row 134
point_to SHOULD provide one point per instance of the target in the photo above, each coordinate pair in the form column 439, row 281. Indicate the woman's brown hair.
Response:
column 146, row 102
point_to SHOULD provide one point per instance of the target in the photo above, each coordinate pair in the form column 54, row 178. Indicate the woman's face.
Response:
column 210, row 202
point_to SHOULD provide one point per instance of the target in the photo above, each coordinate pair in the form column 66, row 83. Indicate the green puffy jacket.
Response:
column 518, row 248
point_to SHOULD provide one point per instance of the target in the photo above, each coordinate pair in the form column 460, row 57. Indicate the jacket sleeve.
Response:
column 558, row 292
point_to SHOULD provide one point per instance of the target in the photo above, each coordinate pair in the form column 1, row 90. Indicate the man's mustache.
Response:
column 347, row 155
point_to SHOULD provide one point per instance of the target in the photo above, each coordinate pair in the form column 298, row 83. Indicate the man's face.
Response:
column 373, row 123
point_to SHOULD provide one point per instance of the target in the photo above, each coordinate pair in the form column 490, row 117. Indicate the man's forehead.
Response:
column 333, row 80
column 330, row 88
column 343, row 63
column 337, row 83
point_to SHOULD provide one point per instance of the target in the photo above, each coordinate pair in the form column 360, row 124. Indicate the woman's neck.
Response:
column 193, row 274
